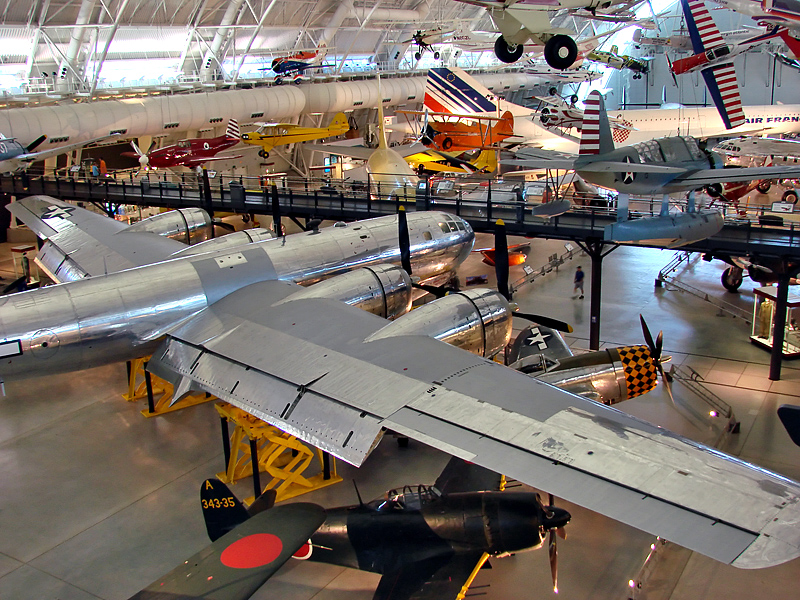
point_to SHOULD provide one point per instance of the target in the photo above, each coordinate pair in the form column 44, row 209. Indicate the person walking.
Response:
column 579, row 275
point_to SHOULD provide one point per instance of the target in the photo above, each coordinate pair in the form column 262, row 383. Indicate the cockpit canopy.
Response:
column 409, row 498
column 669, row 149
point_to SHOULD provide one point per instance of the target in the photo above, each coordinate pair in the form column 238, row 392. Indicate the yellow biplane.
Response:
column 269, row 135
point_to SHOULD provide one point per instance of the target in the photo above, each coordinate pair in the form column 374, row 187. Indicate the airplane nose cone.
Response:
column 556, row 518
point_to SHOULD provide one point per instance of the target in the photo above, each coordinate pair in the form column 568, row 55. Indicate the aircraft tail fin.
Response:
column 454, row 91
column 596, row 137
column 486, row 161
column 233, row 130
column 222, row 511
column 339, row 121
column 381, row 129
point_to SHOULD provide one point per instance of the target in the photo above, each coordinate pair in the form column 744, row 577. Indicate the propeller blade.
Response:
column 553, row 551
column 501, row 258
column 561, row 532
column 405, row 243
column 276, row 211
column 136, row 148
column 546, row 321
column 224, row 225
column 35, row 143
column 659, row 343
column 648, row 339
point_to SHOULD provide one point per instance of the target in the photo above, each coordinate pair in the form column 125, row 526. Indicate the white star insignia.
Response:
column 537, row 338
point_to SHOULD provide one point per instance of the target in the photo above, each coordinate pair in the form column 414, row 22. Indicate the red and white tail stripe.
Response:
column 590, row 132
column 233, row 129
column 729, row 91
column 709, row 33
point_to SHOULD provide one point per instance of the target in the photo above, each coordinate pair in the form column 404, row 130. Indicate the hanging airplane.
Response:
column 657, row 167
column 520, row 21
column 618, row 61
column 296, row 64
column 421, row 539
column 453, row 90
column 14, row 157
column 269, row 135
column 424, row 40
column 713, row 58
column 358, row 374
column 461, row 133
column 483, row 161
column 192, row 152
column 682, row 41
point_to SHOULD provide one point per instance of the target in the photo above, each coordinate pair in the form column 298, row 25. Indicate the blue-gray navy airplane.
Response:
column 15, row 157
column 230, row 318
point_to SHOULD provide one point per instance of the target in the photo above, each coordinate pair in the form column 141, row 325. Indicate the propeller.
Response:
column 674, row 77
column 501, row 271
column 655, row 352
column 552, row 520
column 144, row 161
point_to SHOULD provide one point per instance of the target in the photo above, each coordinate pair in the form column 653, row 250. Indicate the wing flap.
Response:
column 295, row 358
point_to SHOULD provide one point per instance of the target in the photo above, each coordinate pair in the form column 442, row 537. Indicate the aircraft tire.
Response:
column 504, row 52
column 789, row 196
column 447, row 143
column 436, row 55
column 263, row 153
column 573, row 99
column 764, row 186
column 731, row 280
column 418, row 55
column 714, row 190
column 278, row 81
column 560, row 51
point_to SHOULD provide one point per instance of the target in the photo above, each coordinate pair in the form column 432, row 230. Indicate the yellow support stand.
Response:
column 159, row 393
column 465, row 588
column 277, row 453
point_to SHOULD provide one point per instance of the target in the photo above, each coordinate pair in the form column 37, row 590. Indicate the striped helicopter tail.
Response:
column 454, row 91
column 596, row 135
column 233, row 130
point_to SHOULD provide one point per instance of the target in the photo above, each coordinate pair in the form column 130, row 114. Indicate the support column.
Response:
column 594, row 249
column 779, row 328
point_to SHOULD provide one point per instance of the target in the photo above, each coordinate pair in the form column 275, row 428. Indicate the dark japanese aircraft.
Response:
column 192, row 153
column 426, row 541
column 233, row 321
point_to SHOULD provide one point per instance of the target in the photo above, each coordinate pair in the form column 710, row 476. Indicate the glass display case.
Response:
column 764, row 318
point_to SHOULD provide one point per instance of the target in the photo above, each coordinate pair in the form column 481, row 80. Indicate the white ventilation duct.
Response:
column 136, row 117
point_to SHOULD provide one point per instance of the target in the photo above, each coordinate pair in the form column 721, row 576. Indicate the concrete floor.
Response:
column 98, row 501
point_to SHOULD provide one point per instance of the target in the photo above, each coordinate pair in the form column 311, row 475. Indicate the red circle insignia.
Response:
column 252, row 551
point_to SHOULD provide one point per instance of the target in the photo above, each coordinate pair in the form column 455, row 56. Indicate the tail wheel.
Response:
column 732, row 278
column 764, row 186
column 560, row 51
column 447, row 143
column 418, row 55
column 507, row 53
column 790, row 196
column 436, row 55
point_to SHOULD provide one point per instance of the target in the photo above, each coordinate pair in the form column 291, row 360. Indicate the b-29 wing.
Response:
column 315, row 368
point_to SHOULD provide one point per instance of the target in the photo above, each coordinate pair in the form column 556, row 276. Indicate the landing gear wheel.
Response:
column 263, row 153
column 278, row 81
column 560, row 51
column 553, row 91
column 507, row 53
column 417, row 55
column 714, row 190
column 789, row 196
column 447, row 143
column 764, row 186
column 573, row 99
column 436, row 55
column 732, row 279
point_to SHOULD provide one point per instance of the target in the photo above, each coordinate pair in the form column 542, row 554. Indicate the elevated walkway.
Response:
column 343, row 200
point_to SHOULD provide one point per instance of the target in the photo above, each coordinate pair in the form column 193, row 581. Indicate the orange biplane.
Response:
column 459, row 133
